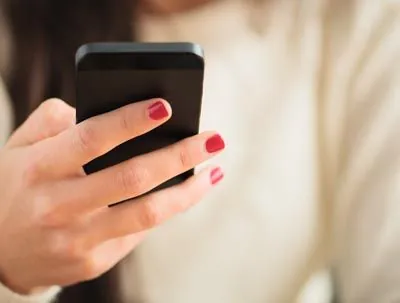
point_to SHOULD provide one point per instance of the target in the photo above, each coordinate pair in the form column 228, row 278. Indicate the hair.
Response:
column 45, row 35
column 4, row 43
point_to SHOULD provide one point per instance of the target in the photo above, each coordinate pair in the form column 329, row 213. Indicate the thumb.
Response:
column 48, row 120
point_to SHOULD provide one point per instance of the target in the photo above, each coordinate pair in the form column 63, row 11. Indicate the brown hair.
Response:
column 45, row 35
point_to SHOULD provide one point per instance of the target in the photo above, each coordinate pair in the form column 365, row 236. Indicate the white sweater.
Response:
column 310, row 108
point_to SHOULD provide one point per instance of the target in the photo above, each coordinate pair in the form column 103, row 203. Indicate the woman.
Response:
column 305, row 92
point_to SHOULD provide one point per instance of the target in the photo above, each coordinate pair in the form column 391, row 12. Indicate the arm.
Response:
column 366, row 207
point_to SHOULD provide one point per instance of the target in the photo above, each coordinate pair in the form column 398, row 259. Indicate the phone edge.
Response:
column 136, row 47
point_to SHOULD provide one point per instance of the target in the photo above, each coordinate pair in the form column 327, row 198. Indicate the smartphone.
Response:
column 111, row 75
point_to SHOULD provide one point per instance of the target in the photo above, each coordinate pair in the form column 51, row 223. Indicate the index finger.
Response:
column 96, row 136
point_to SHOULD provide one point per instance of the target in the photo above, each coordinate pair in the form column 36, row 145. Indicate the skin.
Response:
column 172, row 6
column 57, row 228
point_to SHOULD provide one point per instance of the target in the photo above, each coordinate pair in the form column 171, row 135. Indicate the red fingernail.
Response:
column 215, row 144
column 216, row 176
column 158, row 111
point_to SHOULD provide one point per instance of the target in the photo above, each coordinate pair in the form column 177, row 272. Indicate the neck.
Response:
column 171, row 6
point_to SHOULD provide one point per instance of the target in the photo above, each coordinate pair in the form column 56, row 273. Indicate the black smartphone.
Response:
column 111, row 75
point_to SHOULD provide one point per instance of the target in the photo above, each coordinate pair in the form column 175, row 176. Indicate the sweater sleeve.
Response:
column 366, row 206
column 7, row 296
column 6, row 120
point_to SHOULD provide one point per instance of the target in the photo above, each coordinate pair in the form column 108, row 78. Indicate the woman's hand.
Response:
column 56, row 228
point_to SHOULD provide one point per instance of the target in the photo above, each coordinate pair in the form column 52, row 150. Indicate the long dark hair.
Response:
column 45, row 35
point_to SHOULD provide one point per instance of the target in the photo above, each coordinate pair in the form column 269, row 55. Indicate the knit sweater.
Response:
column 308, row 99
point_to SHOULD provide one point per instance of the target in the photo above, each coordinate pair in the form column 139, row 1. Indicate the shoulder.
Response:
column 360, row 44
column 363, row 22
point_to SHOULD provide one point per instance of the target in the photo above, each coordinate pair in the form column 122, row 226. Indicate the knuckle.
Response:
column 32, row 172
column 47, row 214
column 151, row 215
column 91, row 268
column 125, row 119
column 133, row 178
column 52, row 108
column 87, row 138
column 185, row 157
column 179, row 204
column 52, row 103
column 67, row 248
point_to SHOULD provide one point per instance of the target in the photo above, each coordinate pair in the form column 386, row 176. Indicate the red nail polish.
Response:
column 215, row 144
column 158, row 111
column 216, row 176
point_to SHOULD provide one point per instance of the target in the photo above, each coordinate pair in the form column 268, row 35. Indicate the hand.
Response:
column 56, row 228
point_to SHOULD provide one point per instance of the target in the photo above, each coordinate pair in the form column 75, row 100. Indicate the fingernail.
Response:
column 158, row 111
column 215, row 144
column 216, row 176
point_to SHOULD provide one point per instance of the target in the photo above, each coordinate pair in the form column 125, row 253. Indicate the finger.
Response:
column 108, row 254
column 153, row 209
column 98, row 261
column 98, row 135
column 137, row 176
column 49, row 119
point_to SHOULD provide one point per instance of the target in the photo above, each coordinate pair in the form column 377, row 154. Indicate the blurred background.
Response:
column 307, row 94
